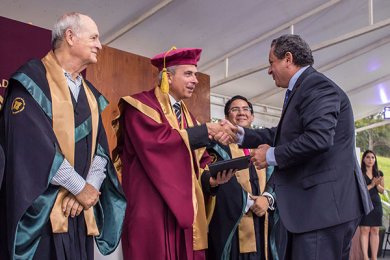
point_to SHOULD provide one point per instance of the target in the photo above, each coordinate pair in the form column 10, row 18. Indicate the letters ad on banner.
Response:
column 19, row 43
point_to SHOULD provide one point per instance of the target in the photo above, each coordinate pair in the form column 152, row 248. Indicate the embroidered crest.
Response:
column 18, row 105
column 214, row 157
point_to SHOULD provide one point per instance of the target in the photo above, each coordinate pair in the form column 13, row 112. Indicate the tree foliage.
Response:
column 376, row 139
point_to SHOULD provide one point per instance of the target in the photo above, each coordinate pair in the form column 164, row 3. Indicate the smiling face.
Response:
column 183, row 82
column 279, row 69
column 86, row 43
column 240, row 113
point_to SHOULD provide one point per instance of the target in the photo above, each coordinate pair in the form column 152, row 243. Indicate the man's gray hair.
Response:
column 65, row 22
column 300, row 50
column 171, row 70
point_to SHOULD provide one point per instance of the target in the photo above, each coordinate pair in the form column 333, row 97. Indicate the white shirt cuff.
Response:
column 67, row 177
column 249, row 203
column 240, row 135
column 270, row 157
column 96, row 174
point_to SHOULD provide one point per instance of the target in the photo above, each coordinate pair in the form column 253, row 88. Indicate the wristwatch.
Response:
column 270, row 199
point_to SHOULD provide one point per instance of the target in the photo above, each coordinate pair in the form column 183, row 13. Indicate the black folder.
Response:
column 238, row 163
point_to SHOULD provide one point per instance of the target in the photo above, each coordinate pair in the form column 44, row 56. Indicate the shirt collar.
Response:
column 172, row 99
column 69, row 76
column 294, row 78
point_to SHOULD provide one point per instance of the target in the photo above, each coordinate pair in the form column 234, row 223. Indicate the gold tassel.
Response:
column 164, row 84
column 164, row 81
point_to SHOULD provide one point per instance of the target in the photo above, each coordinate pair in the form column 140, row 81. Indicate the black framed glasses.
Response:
column 238, row 109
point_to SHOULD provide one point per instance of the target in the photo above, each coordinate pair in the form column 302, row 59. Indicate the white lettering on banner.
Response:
column 4, row 83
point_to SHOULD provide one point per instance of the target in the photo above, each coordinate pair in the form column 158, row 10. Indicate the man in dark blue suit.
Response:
column 320, row 192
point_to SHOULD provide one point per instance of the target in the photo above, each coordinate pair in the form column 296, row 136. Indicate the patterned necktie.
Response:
column 286, row 98
column 177, row 108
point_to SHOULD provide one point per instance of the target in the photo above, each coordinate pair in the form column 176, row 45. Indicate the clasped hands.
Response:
column 260, row 205
column 375, row 182
column 72, row 205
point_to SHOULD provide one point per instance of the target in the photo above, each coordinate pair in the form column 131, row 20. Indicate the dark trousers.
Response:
column 73, row 245
column 323, row 244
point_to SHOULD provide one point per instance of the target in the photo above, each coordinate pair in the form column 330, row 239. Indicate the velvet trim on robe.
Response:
column 160, row 176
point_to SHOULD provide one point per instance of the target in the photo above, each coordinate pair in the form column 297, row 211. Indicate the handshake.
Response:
column 223, row 132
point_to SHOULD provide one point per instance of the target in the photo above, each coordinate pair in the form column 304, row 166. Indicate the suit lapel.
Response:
column 297, row 84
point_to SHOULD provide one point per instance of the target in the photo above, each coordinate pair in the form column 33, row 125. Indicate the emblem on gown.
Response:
column 18, row 105
column 214, row 157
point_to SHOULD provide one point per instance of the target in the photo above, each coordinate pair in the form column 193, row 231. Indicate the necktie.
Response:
column 286, row 98
column 177, row 108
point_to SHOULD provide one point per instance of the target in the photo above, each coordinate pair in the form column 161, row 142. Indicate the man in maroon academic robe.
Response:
column 163, row 172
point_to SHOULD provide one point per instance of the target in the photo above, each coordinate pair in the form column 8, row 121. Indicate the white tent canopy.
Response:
column 350, row 40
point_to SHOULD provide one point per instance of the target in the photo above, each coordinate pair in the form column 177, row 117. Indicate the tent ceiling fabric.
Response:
column 350, row 38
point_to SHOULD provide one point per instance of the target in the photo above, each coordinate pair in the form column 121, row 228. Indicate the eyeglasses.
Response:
column 238, row 109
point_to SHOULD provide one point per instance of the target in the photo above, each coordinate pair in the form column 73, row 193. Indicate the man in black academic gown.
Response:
column 2, row 162
column 240, row 224
column 60, row 189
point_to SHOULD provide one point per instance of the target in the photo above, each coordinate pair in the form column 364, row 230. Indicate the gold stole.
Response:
column 199, row 226
column 64, row 130
column 246, row 230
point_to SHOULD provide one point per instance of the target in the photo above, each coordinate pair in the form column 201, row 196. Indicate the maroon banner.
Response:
column 19, row 43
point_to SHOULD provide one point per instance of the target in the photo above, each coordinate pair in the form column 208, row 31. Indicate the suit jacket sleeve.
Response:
column 255, row 137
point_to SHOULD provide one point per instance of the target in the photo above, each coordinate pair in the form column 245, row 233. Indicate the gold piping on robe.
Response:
column 246, row 229
column 262, row 176
column 146, row 110
column 200, row 222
